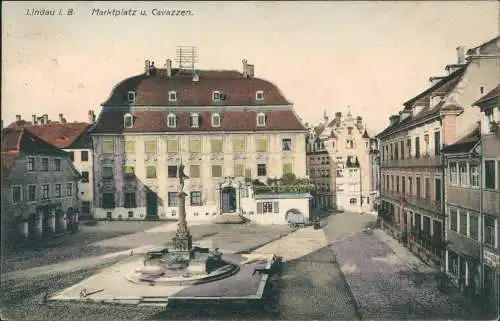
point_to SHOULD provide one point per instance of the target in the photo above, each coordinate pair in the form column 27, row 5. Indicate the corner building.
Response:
column 227, row 128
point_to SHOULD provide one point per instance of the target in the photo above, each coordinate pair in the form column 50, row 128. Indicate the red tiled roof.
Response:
column 153, row 90
column 111, row 121
column 464, row 144
column 494, row 93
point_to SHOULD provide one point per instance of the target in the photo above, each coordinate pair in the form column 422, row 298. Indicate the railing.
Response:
column 413, row 201
column 422, row 161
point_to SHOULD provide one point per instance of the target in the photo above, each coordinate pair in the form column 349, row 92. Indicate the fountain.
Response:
column 183, row 264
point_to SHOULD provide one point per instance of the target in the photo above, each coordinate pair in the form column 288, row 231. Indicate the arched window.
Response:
column 261, row 120
column 128, row 120
column 194, row 120
column 353, row 201
column 216, row 120
column 172, row 121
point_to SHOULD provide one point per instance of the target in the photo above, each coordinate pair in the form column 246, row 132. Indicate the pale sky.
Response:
column 372, row 56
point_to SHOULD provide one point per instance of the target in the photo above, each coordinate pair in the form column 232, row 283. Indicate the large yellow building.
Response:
column 225, row 127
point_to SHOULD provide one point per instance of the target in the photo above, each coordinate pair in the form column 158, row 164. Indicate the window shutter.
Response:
column 259, row 208
column 276, row 207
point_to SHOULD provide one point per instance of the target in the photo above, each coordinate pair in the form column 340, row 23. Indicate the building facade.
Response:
column 71, row 137
column 226, row 129
column 412, row 165
column 341, row 156
column 39, row 195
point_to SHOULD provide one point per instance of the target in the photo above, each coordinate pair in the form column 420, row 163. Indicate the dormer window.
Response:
column 172, row 96
column 261, row 120
column 215, row 120
column 131, row 97
column 128, row 120
column 216, row 96
column 259, row 95
column 172, row 121
column 194, row 120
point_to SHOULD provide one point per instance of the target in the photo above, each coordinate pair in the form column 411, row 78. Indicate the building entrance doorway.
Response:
column 151, row 205
column 228, row 200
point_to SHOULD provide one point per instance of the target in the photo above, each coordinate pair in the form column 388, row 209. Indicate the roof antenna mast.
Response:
column 187, row 56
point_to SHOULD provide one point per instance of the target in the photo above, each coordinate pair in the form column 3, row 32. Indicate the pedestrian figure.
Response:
column 83, row 293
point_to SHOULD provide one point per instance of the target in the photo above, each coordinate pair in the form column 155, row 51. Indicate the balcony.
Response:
column 418, row 203
column 423, row 161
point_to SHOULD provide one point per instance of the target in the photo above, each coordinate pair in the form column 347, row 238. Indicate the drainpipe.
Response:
column 481, row 221
column 443, row 213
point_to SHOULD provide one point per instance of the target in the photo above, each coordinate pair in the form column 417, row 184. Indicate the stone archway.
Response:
column 294, row 215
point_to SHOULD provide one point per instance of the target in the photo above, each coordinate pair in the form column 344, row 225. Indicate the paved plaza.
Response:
column 337, row 273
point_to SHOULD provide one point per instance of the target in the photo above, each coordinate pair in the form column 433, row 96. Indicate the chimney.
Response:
column 146, row 67
column 168, row 67
column 325, row 117
column 250, row 71
column 91, row 117
column 33, row 119
column 45, row 118
column 61, row 118
column 460, row 55
column 245, row 68
column 196, row 76
column 393, row 120
column 18, row 118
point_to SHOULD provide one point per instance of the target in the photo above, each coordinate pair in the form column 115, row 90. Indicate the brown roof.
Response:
column 153, row 90
column 61, row 135
column 464, row 144
column 111, row 121
column 494, row 93
column 16, row 140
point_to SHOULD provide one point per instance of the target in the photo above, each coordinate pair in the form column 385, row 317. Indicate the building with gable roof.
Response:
column 38, row 188
column 342, row 164
column 226, row 127
column 71, row 137
column 412, row 164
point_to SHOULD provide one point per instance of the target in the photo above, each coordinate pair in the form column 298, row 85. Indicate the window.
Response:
column 195, row 198
column 453, row 219
column 151, row 171
column 216, row 95
column 128, row 121
column 474, row 174
column 194, row 120
column 57, row 190
column 215, row 120
column 350, row 144
column 437, row 143
column 17, row 195
column 107, row 172
column 45, row 192
column 150, row 146
column 131, row 97
column 129, row 146
column 426, row 141
column 261, row 170
column 130, row 200
column 473, row 227
column 402, row 150
column 108, row 147
column 261, row 145
column 287, row 168
column 462, row 167
column 452, row 166
column 195, row 146
column 30, row 165
column 410, row 186
column 216, row 171
column 172, row 171
column 57, row 164
column 129, row 171
column 286, row 144
column 396, row 151
column 45, row 164
column 397, row 184
column 489, row 230
column 172, row 121
column 403, row 185
column 438, row 189
column 216, row 145
column 259, row 95
column 239, row 144
column 489, row 174
column 172, row 146
column 31, row 193
column 71, row 156
column 261, row 120
column 427, row 187
column 172, row 199
column 353, row 201
column 239, row 170
column 194, row 171
column 84, row 155
column 463, row 222
column 108, row 200
column 69, row 189
column 85, row 177
column 267, row 207
column 408, row 145
column 417, row 147
column 248, row 173
column 172, row 96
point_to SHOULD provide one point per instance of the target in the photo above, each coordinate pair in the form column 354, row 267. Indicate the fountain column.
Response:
column 183, row 239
